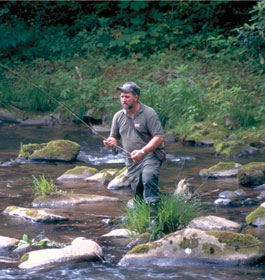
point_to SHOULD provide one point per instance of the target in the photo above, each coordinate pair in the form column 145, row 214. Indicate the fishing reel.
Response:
column 114, row 151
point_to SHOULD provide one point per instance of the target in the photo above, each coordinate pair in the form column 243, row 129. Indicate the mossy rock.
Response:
column 58, row 150
column 252, row 174
column 257, row 217
column 205, row 131
column 78, row 173
column 233, row 149
column 255, row 138
column 27, row 150
column 222, row 169
column 197, row 245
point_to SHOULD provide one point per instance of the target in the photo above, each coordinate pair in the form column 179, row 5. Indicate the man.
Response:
column 143, row 164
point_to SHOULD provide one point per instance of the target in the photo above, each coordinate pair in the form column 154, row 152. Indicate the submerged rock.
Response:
column 7, row 243
column 214, row 223
column 77, row 173
column 252, row 174
column 57, row 150
column 65, row 200
column 221, row 170
column 257, row 217
column 33, row 215
column 80, row 249
column 197, row 245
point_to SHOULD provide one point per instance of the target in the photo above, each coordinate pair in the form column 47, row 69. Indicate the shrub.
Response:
column 43, row 187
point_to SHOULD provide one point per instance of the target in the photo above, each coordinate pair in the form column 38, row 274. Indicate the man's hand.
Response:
column 109, row 142
column 136, row 155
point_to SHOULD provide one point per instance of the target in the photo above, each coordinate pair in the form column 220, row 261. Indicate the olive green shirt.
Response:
column 145, row 120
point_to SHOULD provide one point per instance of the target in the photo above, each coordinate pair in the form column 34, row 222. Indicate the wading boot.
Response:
column 153, row 214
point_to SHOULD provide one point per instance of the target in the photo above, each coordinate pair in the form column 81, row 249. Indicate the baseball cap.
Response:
column 130, row 87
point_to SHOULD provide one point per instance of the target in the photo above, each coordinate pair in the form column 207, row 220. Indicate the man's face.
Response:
column 128, row 100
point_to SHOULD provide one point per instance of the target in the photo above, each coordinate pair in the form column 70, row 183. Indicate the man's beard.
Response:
column 129, row 107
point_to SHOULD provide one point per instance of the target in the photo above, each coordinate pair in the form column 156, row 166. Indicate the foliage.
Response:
column 43, row 187
column 251, row 36
column 42, row 243
column 174, row 212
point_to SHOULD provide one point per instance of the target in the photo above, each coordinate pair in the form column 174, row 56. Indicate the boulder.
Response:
column 214, row 223
column 34, row 215
column 195, row 245
column 233, row 149
column 121, row 180
column 221, row 170
column 57, row 150
column 7, row 243
column 257, row 217
column 252, row 174
column 103, row 177
column 77, row 173
column 80, row 249
column 66, row 200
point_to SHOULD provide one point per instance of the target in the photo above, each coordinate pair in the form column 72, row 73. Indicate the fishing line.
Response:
column 63, row 105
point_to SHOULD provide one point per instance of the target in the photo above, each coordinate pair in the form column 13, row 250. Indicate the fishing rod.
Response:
column 64, row 106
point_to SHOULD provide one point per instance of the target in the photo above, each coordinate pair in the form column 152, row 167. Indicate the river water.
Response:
column 89, row 220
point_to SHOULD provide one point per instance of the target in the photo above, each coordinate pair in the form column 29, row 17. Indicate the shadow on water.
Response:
column 90, row 221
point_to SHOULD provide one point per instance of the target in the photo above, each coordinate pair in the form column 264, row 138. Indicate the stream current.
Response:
column 89, row 220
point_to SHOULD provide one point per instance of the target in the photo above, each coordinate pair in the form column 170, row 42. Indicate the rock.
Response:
column 260, row 187
column 221, row 170
column 257, row 217
column 228, row 195
column 233, row 149
column 57, row 150
column 23, row 248
column 77, row 173
column 183, row 187
column 240, row 192
column 43, row 120
column 7, row 117
column 80, row 249
column 66, row 200
column 252, row 174
column 33, row 215
column 121, row 180
column 261, row 195
column 7, row 243
column 189, row 244
column 214, row 223
column 223, row 201
column 119, row 232
column 204, row 134
column 103, row 177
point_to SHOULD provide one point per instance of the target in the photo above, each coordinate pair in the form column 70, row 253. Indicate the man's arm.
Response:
column 154, row 143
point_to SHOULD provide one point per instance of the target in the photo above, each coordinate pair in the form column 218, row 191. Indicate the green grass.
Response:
column 43, row 187
column 174, row 213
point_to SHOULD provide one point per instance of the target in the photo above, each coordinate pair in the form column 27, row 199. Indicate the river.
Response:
column 88, row 221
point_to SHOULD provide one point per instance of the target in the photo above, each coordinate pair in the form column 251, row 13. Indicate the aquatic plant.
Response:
column 42, row 243
column 174, row 212
column 43, row 187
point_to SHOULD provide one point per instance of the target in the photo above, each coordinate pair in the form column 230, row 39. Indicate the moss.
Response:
column 229, row 148
column 24, row 258
column 80, row 169
column 233, row 239
column 189, row 243
column 144, row 248
column 27, row 150
column 252, row 174
column 211, row 249
column 257, row 213
column 220, row 166
column 32, row 213
column 11, row 208
column 119, row 174
column 57, row 148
